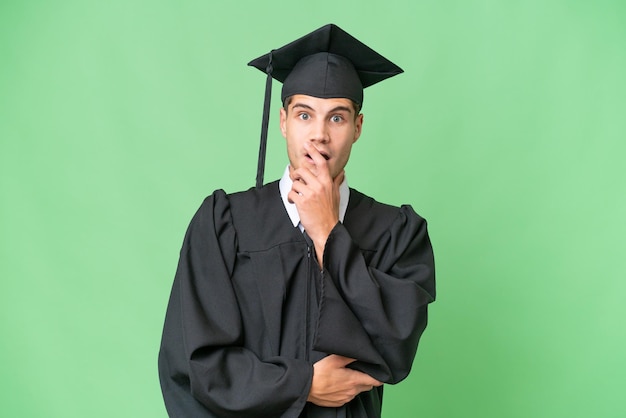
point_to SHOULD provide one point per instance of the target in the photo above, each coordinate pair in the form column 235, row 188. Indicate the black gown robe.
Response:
column 250, row 311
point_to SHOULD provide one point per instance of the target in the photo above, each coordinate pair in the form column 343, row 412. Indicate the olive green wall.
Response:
column 506, row 132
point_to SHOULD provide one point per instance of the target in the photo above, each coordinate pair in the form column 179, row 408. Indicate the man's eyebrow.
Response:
column 341, row 109
column 306, row 106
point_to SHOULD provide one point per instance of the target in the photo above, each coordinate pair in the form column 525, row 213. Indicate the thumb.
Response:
column 343, row 361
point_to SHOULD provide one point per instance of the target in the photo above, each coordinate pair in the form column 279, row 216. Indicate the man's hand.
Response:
column 335, row 385
column 316, row 195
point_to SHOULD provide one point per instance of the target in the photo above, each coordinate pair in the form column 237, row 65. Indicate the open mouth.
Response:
column 326, row 156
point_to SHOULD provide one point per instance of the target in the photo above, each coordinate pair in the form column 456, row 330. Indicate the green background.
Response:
column 506, row 132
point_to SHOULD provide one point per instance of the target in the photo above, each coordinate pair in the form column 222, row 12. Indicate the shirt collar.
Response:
column 285, row 187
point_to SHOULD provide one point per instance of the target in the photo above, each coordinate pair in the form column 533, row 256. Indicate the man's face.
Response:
column 329, row 125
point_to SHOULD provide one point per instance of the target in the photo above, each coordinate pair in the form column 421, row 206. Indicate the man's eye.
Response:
column 336, row 118
column 304, row 116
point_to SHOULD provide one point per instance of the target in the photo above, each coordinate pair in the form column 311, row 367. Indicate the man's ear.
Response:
column 283, row 122
column 358, row 127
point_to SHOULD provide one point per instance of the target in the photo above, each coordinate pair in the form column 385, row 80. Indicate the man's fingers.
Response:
column 363, row 378
column 339, row 361
column 369, row 381
column 303, row 175
column 317, row 157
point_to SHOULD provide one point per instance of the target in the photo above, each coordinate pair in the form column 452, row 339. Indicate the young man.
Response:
column 300, row 298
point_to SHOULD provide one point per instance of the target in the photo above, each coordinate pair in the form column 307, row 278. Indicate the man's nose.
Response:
column 319, row 132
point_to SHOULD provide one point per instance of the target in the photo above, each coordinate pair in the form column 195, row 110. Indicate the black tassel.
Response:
column 264, row 124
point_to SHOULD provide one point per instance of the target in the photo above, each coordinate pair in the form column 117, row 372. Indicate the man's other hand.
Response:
column 335, row 385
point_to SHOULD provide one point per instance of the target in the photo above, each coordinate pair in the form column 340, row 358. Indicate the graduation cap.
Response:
column 326, row 63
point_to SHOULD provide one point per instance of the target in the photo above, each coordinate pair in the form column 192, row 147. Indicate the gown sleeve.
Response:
column 376, row 312
column 204, row 369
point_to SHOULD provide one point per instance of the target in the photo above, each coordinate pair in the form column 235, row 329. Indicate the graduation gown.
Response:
column 250, row 310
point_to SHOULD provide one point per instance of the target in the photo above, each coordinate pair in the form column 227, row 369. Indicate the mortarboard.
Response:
column 326, row 63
